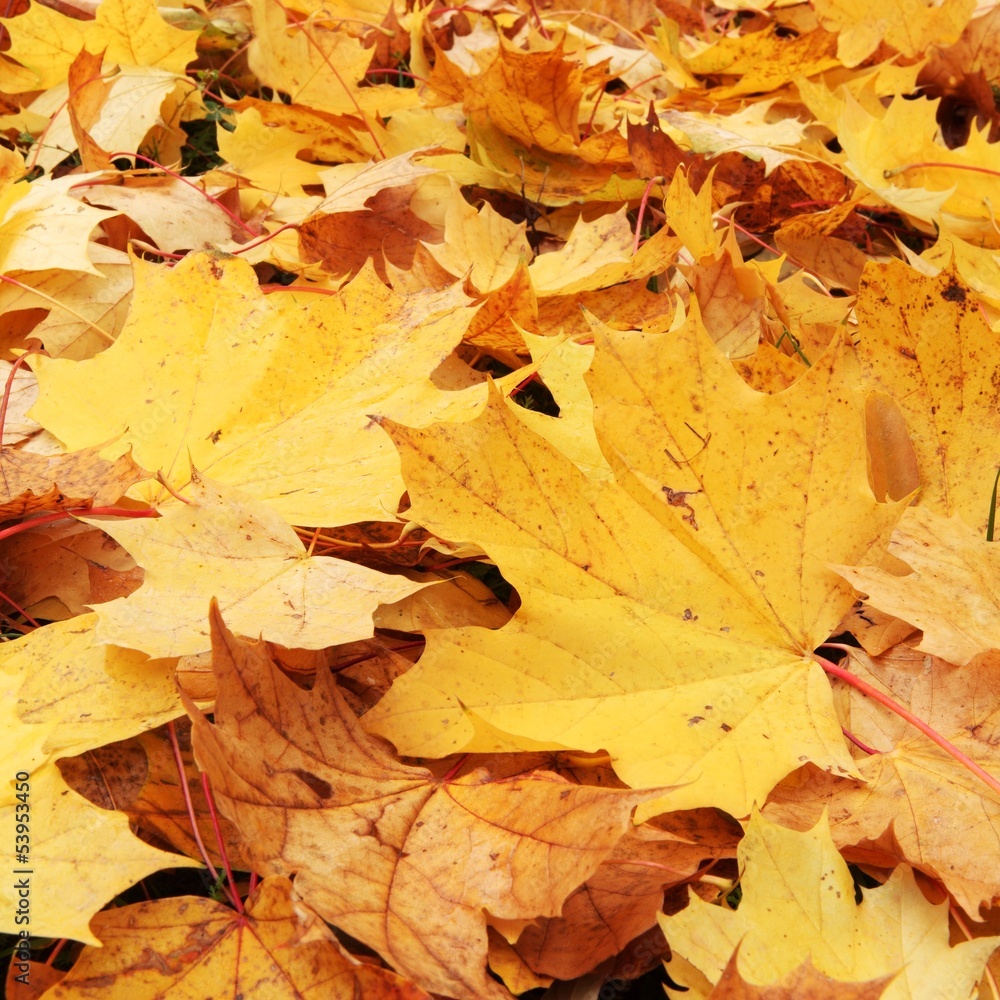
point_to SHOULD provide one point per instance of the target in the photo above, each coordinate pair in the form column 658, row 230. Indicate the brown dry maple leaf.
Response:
column 916, row 803
column 30, row 483
column 405, row 862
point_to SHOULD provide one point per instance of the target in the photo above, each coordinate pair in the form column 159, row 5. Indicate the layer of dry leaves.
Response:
column 677, row 323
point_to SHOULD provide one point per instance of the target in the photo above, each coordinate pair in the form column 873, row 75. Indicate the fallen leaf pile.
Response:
column 506, row 495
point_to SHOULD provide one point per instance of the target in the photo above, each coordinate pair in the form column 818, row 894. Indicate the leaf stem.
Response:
column 59, row 945
column 210, row 799
column 887, row 174
column 76, row 512
column 17, row 607
column 458, row 765
column 642, row 211
column 186, row 792
column 262, row 241
column 162, row 480
column 861, row 746
column 990, row 524
column 542, row 30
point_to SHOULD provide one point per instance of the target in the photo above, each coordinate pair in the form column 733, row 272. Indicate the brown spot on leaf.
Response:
column 953, row 292
column 322, row 788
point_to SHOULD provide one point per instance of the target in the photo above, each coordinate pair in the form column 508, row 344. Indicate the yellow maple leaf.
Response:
column 896, row 153
column 483, row 245
column 798, row 902
column 45, row 42
column 690, row 215
column 267, row 154
column 318, row 62
column 978, row 265
column 209, row 367
column 140, row 108
column 668, row 616
column 86, row 311
column 225, row 546
column 600, row 253
column 134, row 33
column 56, row 669
column 129, row 32
column 43, row 226
column 80, row 858
column 909, row 26
column 764, row 61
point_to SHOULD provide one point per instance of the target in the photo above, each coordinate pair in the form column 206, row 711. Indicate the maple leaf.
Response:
column 600, row 253
column 130, row 32
column 953, row 593
column 56, row 572
column 763, row 61
column 206, row 341
column 535, row 98
column 752, row 132
column 222, row 545
column 332, row 138
column 805, row 908
column 316, row 64
column 86, row 310
column 384, row 229
column 46, row 42
column 33, row 483
column 267, row 154
column 139, row 776
column 483, row 245
column 731, row 298
column 122, row 110
column 621, row 899
column 562, row 367
column 66, row 892
column 277, row 947
column 906, row 25
column 657, row 620
column 587, row 188
column 691, row 215
column 86, row 97
column 523, row 122
column 895, row 153
column 300, row 778
column 42, row 226
column 50, row 673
